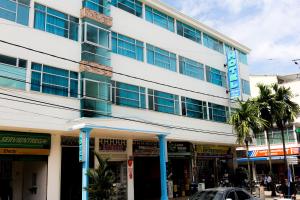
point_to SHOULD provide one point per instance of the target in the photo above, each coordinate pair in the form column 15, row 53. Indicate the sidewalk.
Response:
column 268, row 196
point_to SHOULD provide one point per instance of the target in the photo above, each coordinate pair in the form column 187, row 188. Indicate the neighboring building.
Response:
column 259, row 152
column 180, row 91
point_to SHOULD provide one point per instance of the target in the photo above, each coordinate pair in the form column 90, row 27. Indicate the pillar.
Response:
column 130, row 170
column 163, row 167
column 84, row 152
column 54, row 168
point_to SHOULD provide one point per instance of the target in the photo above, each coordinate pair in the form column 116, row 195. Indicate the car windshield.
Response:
column 207, row 195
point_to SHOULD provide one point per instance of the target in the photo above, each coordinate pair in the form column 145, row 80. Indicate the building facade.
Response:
column 130, row 70
column 259, row 151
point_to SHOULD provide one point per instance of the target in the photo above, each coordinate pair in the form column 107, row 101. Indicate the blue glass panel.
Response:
column 74, row 88
column 161, row 58
column 212, row 43
column 39, row 20
column 36, row 66
column 55, row 80
column 160, row 19
column 126, row 46
column 74, row 75
column 243, row 57
column 36, row 81
column 56, row 71
column 56, row 90
column 131, row 6
column 191, row 68
column 188, row 32
column 23, row 14
column 16, row 76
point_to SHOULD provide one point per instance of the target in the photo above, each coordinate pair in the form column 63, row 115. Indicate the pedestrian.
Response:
column 265, row 180
column 269, row 182
column 286, row 190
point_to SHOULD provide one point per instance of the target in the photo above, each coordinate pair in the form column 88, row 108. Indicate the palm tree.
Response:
column 286, row 112
column 102, row 179
column 244, row 120
column 266, row 105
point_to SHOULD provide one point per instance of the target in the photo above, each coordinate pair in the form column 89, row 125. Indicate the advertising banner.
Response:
column 233, row 75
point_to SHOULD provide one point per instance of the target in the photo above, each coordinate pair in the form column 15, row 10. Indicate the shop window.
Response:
column 13, row 72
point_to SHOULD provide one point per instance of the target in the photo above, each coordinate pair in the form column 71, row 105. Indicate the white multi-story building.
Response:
column 129, row 71
column 259, row 150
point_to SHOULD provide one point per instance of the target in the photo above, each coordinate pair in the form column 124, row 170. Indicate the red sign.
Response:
column 130, row 169
column 274, row 152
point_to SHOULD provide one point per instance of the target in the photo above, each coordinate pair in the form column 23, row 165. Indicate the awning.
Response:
column 253, row 159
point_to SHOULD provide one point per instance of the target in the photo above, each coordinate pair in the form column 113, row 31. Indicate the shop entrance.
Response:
column 23, row 178
column 146, row 178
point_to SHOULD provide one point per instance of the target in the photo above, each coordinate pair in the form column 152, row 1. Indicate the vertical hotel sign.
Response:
column 233, row 75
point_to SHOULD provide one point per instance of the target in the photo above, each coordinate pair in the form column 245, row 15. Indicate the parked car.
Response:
column 226, row 193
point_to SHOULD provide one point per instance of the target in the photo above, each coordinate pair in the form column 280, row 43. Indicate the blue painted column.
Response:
column 84, row 153
column 163, row 167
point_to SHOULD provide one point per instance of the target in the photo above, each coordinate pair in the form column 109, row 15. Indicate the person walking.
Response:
column 269, row 183
column 286, row 190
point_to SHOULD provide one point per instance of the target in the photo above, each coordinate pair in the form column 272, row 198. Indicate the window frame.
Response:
column 155, row 61
column 134, row 2
column 175, row 99
column 17, row 3
column 135, row 44
column 85, row 39
column 184, row 62
column 221, row 73
column 139, row 93
column 42, row 72
column 184, row 105
column 46, row 13
column 154, row 12
column 190, row 28
column 207, row 37
column 212, row 110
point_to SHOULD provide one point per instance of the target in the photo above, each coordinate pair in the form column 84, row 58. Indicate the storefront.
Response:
column 146, row 169
column 259, row 160
column 116, row 151
column 23, row 165
column 71, row 168
column 213, row 164
column 179, row 168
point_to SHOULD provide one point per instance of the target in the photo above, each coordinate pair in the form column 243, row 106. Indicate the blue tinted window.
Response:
column 188, row 32
column 163, row 102
column 131, row 6
column 193, row 108
column 101, row 6
column 215, row 76
column 161, row 58
column 242, row 57
column 217, row 112
column 129, row 95
column 16, row 11
column 160, row 19
column 126, row 46
column 12, row 72
column 56, row 22
column 54, row 80
column 228, row 48
column 246, row 87
column 212, row 43
column 191, row 68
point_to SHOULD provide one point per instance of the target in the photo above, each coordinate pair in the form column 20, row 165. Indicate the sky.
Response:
column 270, row 28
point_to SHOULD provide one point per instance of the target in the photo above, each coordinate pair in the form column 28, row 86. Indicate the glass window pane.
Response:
column 23, row 14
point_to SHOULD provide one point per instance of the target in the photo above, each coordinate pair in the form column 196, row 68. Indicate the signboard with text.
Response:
column 233, row 75
column 82, row 147
column 112, row 145
column 274, row 152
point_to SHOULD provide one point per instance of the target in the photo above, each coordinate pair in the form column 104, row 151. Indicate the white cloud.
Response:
column 271, row 28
